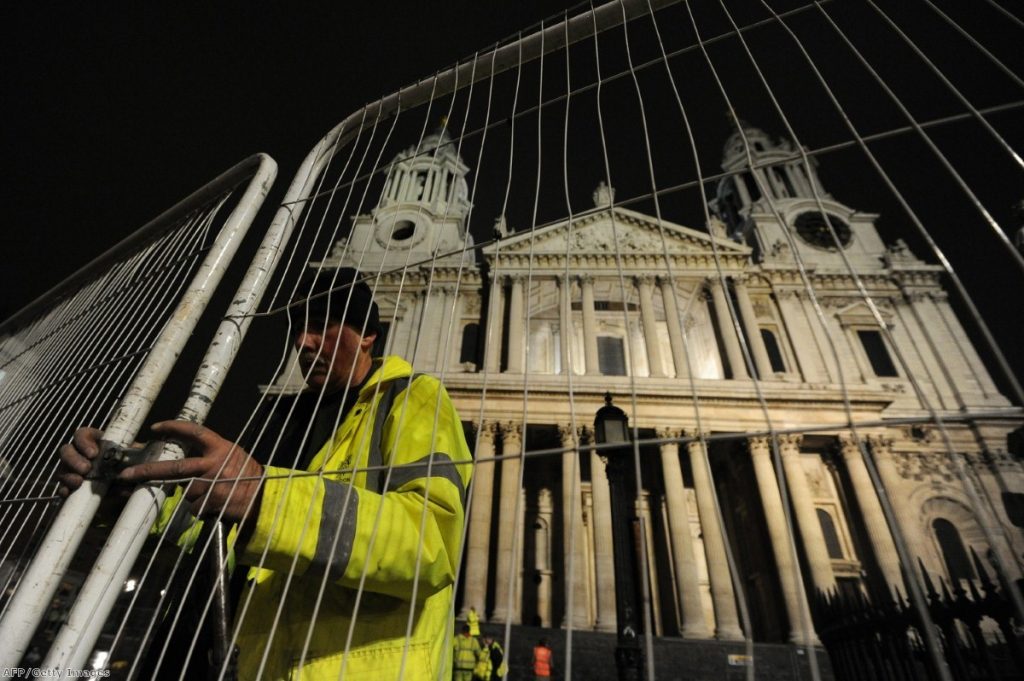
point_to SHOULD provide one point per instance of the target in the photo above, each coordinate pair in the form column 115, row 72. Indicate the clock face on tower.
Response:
column 813, row 229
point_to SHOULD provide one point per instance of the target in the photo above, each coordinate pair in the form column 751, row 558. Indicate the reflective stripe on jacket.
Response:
column 335, row 530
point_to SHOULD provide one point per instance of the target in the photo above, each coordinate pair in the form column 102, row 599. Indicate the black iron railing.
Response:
column 879, row 638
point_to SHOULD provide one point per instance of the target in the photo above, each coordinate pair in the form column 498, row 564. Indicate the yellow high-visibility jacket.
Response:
column 396, row 531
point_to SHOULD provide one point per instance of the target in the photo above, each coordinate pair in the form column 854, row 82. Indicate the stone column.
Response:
column 723, row 596
column 590, row 356
column 683, row 558
column 885, row 462
column 645, row 285
column 732, row 346
column 442, row 193
column 604, row 560
column 643, row 514
column 564, row 321
column 741, row 189
column 675, row 327
column 495, row 325
column 871, row 510
column 542, row 561
column 428, row 186
column 478, row 543
column 574, row 542
column 512, row 449
column 781, row 540
column 403, row 185
column 516, row 324
column 807, row 522
column 753, row 329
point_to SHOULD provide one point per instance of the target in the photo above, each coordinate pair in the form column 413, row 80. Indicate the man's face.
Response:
column 333, row 355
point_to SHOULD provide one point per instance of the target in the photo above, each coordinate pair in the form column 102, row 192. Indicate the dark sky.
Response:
column 114, row 111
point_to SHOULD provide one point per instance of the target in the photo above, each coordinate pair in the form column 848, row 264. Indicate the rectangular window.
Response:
column 470, row 332
column 611, row 356
column 878, row 354
column 771, row 346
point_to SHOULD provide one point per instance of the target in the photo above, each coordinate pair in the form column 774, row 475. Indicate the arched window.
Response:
column 828, row 529
column 958, row 565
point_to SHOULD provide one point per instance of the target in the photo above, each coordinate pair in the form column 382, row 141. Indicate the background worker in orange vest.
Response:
column 542, row 661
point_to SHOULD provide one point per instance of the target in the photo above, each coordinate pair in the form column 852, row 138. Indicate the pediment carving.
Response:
column 610, row 232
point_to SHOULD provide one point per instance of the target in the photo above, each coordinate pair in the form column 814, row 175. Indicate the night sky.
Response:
column 114, row 111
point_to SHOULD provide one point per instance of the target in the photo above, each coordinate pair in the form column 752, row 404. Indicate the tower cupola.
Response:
column 760, row 168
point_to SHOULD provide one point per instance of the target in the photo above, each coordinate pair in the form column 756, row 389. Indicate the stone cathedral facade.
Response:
column 537, row 326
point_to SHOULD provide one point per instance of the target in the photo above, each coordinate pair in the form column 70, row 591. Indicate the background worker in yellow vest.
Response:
column 465, row 656
column 473, row 621
column 495, row 668
column 383, row 512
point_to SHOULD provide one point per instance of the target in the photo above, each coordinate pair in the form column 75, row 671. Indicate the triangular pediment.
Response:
column 859, row 314
column 608, row 231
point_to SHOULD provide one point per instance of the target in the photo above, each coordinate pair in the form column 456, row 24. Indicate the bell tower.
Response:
column 775, row 183
column 421, row 215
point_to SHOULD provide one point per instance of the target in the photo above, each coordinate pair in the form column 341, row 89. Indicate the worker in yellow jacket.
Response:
column 344, row 561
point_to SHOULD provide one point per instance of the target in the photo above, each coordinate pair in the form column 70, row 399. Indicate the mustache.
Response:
column 313, row 359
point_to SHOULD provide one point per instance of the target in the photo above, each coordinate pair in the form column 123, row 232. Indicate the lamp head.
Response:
column 611, row 425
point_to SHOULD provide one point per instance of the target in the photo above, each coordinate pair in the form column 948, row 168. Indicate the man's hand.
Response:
column 76, row 459
column 211, row 457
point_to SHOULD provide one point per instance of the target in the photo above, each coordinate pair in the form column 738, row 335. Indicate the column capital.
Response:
column 585, row 434
column 489, row 430
column 644, row 280
column 789, row 443
column 759, row 445
column 849, row 445
column 585, row 279
column 713, row 281
column 666, row 432
column 569, row 434
column 511, row 429
column 516, row 277
column 880, row 445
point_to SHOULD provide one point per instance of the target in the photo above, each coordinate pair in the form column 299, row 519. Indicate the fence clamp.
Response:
column 114, row 458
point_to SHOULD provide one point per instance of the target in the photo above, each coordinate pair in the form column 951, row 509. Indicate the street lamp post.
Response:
column 611, row 426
